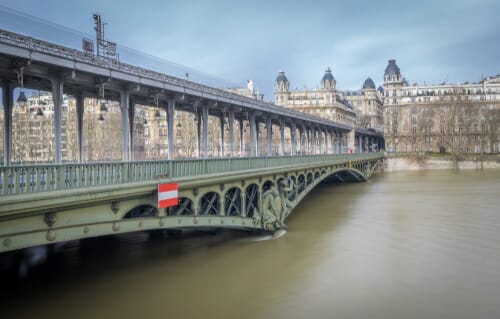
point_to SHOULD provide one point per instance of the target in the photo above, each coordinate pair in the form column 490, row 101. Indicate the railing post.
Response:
column 61, row 177
column 125, row 172
column 171, row 172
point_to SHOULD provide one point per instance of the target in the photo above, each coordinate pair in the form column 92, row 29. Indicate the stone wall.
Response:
column 414, row 163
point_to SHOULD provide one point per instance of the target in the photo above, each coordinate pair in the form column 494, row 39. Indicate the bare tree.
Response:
column 492, row 126
column 364, row 121
column 393, row 122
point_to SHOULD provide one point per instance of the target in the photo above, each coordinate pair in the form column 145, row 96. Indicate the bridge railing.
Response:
column 49, row 177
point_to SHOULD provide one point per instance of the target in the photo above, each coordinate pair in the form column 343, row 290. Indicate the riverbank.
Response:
column 414, row 162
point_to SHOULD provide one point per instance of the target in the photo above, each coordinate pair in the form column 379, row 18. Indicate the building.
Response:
column 367, row 102
column 360, row 108
column 325, row 101
column 446, row 118
column 249, row 91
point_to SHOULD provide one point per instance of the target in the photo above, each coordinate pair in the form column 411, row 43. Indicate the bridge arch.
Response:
column 252, row 199
column 184, row 208
column 210, row 204
column 233, row 203
column 268, row 184
column 309, row 178
column 301, row 183
column 141, row 211
column 316, row 176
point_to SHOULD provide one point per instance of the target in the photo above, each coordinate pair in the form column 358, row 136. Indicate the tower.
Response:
column 281, row 89
column 328, row 81
column 393, row 83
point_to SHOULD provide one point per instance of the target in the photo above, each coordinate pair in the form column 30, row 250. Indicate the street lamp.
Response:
column 103, row 107
column 21, row 99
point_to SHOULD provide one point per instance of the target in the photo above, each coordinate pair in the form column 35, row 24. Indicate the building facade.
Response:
column 325, row 101
column 367, row 102
column 446, row 118
column 360, row 108
column 249, row 91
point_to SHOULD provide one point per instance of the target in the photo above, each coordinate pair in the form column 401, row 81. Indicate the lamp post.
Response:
column 21, row 99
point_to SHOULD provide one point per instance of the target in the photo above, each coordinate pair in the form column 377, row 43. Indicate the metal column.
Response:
column 231, row 133
column 269, row 127
column 253, row 136
column 282, row 138
column 8, row 102
column 222, row 135
column 57, row 97
column 241, row 136
column 204, row 110
column 80, row 99
column 124, row 107
column 334, row 137
column 170, row 127
column 198, row 133
column 320, row 141
column 326, row 141
column 340, row 142
column 131, row 120
column 313, row 141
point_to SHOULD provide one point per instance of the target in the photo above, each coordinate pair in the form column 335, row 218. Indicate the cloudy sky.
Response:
column 432, row 41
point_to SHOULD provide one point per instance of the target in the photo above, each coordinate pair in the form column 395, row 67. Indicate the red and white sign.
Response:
column 168, row 195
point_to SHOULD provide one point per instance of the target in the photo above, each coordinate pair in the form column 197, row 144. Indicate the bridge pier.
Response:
column 294, row 138
column 313, row 140
column 221, row 119
column 131, row 115
column 282, row 138
column 8, row 102
column 204, row 110
column 198, row 130
column 351, row 140
column 57, row 96
column 231, row 133
column 269, row 136
column 124, row 106
column 253, row 135
column 170, row 127
column 80, row 99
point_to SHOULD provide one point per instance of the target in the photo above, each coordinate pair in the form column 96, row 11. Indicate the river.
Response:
column 420, row 244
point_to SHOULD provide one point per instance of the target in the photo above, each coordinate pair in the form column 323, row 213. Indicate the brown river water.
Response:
column 403, row 245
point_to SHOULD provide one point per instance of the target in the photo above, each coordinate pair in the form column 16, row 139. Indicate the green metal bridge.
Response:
column 44, row 204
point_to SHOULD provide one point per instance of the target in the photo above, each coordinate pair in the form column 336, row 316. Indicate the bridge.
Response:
column 46, row 203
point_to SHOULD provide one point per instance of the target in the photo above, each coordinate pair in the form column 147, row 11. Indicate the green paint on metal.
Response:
column 92, row 199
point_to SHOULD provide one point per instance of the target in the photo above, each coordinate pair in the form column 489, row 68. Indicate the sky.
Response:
column 235, row 41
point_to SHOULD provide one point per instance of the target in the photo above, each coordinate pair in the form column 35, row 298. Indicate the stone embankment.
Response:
column 412, row 162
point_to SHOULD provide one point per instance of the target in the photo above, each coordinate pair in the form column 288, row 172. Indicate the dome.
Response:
column 328, row 75
column 392, row 70
column 380, row 89
column 281, row 77
column 369, row 84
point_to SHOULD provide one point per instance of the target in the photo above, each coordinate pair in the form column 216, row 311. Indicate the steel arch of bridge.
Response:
column 245, row 199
